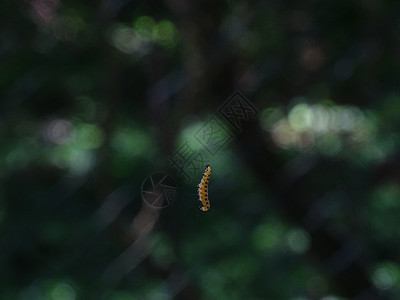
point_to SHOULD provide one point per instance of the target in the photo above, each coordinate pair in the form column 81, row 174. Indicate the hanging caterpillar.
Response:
column 202, row 189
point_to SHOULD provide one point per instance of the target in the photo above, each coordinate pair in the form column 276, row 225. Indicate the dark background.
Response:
column 97, row 95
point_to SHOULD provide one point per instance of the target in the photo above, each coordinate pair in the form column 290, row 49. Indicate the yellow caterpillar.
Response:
column 202, row 189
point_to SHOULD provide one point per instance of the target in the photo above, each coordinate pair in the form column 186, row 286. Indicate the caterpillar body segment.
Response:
column 202, row 189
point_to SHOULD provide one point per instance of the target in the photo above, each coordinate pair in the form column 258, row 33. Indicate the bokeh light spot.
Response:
column 300, row 117
column 89, row 136
column 386, row 275
column 63, row 291
column 267, row 236
column 131, row 142
column 298, row 240
column 145, row 26
column 126, row 39
column 165, row 34
column 57, row 131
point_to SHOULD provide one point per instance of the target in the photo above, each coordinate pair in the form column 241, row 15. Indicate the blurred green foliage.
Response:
column 97, row 95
